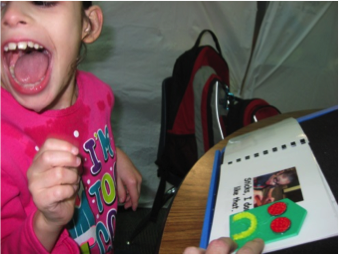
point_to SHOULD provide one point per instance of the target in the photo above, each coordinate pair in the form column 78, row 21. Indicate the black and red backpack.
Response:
column 197, row 111
column 200, row 110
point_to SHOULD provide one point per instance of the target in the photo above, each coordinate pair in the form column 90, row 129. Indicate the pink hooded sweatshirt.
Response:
column 87, row 125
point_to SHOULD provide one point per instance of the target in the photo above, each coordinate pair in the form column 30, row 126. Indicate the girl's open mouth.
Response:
column 27, row 65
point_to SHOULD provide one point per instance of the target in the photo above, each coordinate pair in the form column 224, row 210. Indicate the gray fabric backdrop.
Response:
column 294, row 64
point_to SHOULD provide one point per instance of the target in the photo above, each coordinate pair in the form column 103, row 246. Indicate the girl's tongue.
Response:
column 31, row 67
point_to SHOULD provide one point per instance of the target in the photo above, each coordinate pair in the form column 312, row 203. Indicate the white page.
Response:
column 280, row 133
column 322, row 211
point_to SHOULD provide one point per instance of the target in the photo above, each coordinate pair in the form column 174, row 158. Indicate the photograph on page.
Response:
column 277, row 185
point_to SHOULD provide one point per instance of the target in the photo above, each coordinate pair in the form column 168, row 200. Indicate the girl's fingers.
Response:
column 134, row 199
column 128, row 198
column 50, row 159
column 52, row 144
column 54, row 195
column 132, row 196
column 121, row 191
column 58, row 176
column 128, row 204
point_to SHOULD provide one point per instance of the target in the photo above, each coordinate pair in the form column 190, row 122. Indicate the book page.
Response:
column 242, row 182
column 267, row 138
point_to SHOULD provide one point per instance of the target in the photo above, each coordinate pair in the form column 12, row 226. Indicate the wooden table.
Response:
column 185, row 219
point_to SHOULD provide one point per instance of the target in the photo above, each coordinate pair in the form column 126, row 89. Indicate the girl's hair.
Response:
column 86, row 4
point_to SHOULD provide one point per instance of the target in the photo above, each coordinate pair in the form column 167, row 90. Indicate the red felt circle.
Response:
column 280, row 225
column 277, row 208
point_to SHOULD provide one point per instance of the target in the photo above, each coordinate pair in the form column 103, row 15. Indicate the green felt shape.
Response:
column 256, row 223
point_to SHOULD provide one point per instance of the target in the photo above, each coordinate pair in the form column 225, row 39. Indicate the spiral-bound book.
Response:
column 269, row 165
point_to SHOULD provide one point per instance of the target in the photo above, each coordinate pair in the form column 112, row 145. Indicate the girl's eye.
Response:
column 45, row 3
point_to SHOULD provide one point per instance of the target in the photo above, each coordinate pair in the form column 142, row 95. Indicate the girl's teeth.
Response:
column 22, row 46
column 12, row 46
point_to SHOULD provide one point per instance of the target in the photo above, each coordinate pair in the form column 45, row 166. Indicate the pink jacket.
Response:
column 85, row 124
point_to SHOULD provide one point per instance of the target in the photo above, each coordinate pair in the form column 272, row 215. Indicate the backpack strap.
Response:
column 215, row 39
column 243, row 112
column 263, row 112
column 257, row 109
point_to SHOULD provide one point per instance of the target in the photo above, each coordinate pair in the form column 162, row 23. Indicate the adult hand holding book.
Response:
column 225, row 245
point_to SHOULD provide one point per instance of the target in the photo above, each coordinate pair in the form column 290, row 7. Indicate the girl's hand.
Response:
column 225, row 245
column 53, row 181
column 128, row 181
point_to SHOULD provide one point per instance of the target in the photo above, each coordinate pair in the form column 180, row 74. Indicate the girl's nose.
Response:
column 14, row 15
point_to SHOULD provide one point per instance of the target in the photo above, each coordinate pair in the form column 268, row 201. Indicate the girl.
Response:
column 59, row 190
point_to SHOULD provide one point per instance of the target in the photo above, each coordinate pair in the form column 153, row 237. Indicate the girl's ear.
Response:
column 93, row 24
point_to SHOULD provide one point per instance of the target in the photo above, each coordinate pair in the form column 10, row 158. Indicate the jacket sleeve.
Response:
column 17, row 234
